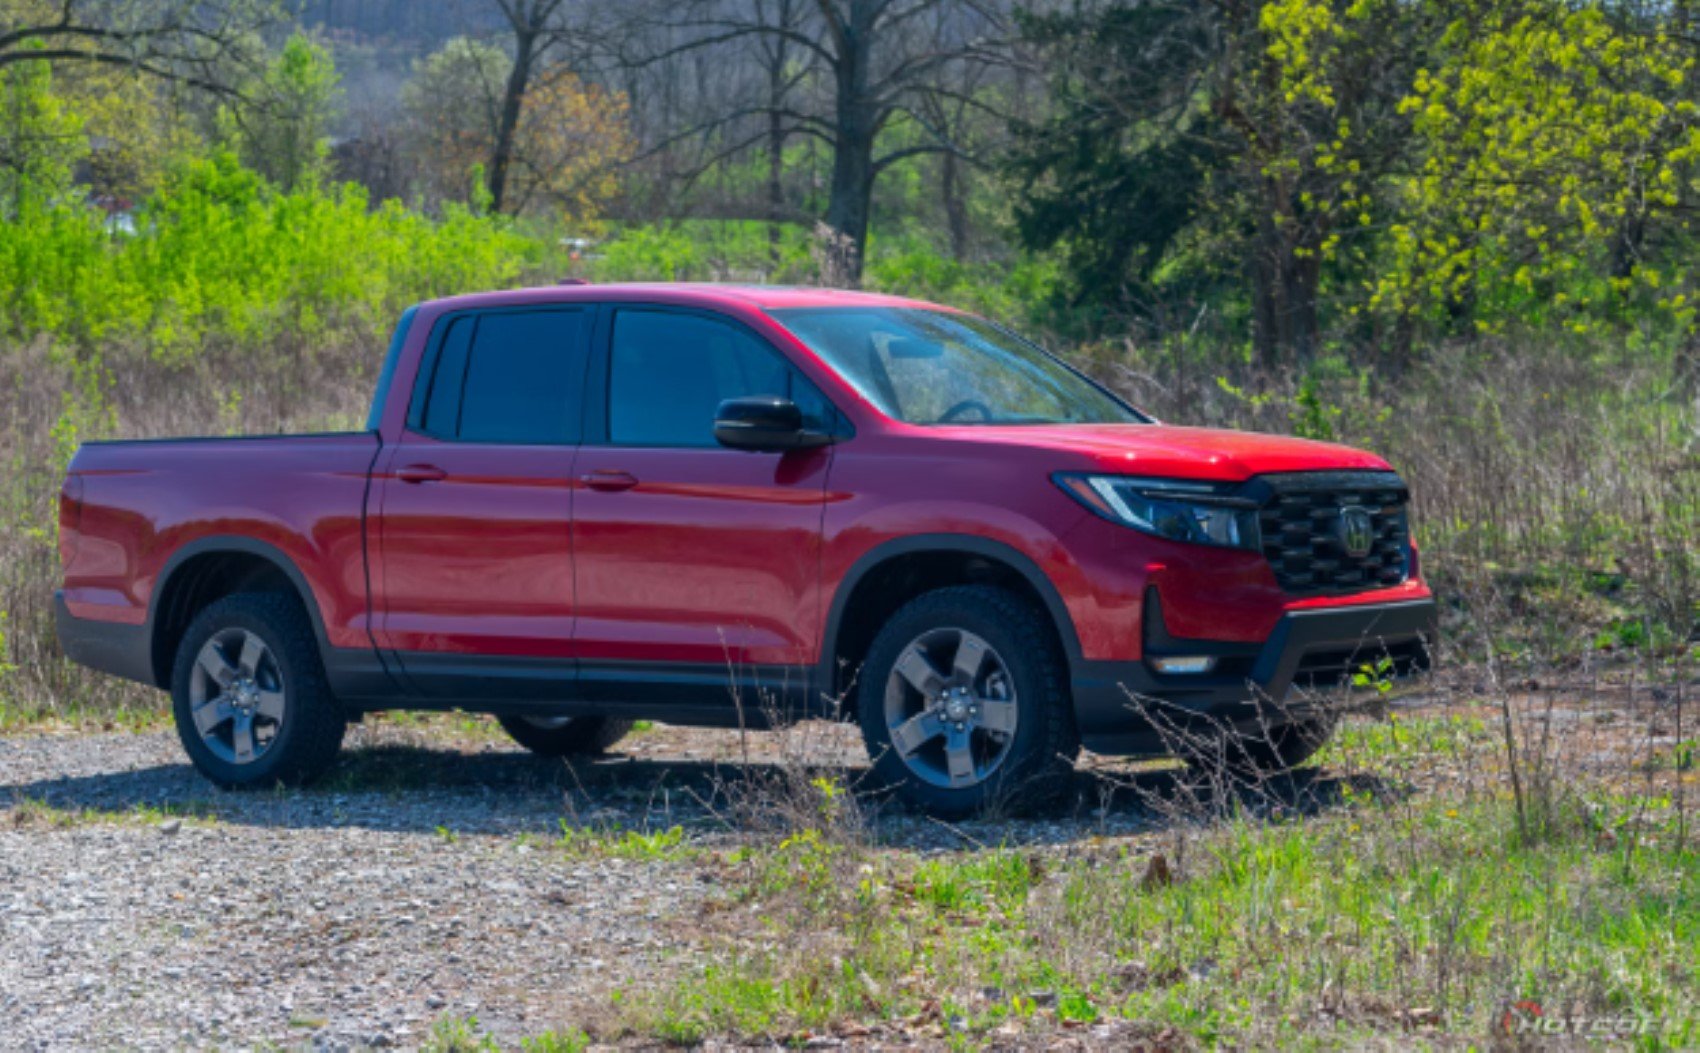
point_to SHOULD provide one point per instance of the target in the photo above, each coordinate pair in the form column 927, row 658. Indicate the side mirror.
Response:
column 764, row 422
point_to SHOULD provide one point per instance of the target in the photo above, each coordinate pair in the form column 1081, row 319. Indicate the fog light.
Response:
column 1192, row 663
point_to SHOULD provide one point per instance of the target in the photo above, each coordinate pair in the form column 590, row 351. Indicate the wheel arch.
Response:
column 211, row 568
column 890, row 574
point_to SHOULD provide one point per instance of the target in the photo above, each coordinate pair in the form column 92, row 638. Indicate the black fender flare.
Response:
column 970, row 544
column 237, row 543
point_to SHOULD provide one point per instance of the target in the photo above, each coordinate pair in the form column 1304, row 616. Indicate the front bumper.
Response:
column 1319, row 648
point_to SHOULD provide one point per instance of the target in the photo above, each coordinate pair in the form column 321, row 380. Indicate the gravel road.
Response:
column 347, row 916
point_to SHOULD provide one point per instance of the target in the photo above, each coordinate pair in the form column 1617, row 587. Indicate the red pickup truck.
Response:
column 578, row 506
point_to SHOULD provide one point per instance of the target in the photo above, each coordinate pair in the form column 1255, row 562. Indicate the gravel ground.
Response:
column 343, row 917
column 142, row 908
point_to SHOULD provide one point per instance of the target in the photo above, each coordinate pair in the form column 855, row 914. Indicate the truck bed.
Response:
column 133, row 510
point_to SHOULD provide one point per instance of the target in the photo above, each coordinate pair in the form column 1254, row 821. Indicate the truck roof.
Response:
column 699, row 294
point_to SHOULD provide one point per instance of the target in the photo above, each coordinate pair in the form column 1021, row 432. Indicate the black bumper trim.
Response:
column 1105, row 693
column 110, row 647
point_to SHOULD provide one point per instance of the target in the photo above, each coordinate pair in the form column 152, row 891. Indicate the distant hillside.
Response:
column 396, row 21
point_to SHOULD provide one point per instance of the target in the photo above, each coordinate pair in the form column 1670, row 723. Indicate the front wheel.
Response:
column 964, row 705
column 249, row 694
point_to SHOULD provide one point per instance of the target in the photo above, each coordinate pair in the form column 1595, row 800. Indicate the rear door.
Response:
column 475, row 564
column 697, row 566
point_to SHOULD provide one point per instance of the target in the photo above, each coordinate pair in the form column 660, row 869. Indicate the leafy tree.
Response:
column 41, row 139
column 1196, row 147
column 137, row 128
column 569, row 138
column 1557, row 174
column 451, row 103
column 280, row 125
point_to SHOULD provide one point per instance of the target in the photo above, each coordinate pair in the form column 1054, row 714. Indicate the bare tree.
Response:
column 198, row 42
column 878, row 59
column 785, row 67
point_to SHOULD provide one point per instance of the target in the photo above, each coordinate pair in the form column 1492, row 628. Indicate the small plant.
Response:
column 458, row 1035
column 1377, row 675
column 646, row 845
column 572, row 1040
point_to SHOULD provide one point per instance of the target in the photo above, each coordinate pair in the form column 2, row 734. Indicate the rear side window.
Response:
column 508, row 377
column 669, row 372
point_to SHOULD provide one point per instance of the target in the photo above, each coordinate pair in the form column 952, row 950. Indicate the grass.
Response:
column 613, row 842
column 1417, row 911
column 1288, row 934
column 15, row 718
column 452, row 1034
column 34, row 812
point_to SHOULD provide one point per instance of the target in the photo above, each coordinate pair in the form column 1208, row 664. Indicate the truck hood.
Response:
column 1213, row 454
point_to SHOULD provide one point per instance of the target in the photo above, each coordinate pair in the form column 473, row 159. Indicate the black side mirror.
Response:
column 764, row 422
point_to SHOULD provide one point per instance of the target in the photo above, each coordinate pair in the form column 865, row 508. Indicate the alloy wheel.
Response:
column 236, row 696
column 950, row 708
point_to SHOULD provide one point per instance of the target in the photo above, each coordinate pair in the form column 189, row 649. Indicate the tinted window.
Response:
column 442, row 408
column 670, row 372
column 509, row 376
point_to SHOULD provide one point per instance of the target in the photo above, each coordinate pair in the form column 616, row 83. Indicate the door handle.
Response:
column 609, row 480
column 420, row 473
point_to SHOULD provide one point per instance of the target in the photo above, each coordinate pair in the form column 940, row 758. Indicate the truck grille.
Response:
column 1307, row 519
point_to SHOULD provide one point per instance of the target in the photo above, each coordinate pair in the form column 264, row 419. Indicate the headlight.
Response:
column 1168, row 508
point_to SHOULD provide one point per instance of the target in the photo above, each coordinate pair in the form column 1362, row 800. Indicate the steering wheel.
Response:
column 963, row 407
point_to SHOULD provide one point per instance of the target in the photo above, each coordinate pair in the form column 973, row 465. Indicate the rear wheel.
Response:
column 963, row 703
column 249, row 694
column 565, row 736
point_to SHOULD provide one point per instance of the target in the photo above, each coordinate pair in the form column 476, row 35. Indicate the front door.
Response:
column 698, row 566
column 474, row 561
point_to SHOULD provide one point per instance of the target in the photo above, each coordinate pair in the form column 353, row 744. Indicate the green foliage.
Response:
column 647, row 846
column 1428, row 903
column 459, row 1035
column 1554, row 140
column 222, row 256
column 573, row 1040
column 450, row 103
column 1200, row 150
column 280, row 127
column 41, row 140
column 1362, row 169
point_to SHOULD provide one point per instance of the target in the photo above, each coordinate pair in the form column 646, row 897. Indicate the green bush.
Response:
column 220, row 255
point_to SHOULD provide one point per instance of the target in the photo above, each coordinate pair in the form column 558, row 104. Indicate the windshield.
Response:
column 937, row 367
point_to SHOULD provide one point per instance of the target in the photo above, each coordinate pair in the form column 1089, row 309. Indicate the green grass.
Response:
column 16, row 717
column 1387, row 918
column 30, row 811
column 451, row 1034
column 669, row 845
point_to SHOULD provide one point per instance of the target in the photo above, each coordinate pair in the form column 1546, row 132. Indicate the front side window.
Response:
column 925, row 366
column 669, row 372
column 508, row 377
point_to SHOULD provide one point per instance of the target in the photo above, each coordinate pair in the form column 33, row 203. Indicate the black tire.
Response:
column 1034, row 764
column 571, row 737
column 305, row 739
column 1276, row 751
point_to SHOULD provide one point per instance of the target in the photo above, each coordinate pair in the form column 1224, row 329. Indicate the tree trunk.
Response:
column 775, row 157
column 853, row 169
column 507, row 126
column 1286, row 277
column 955, row 208
column 852, row 195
